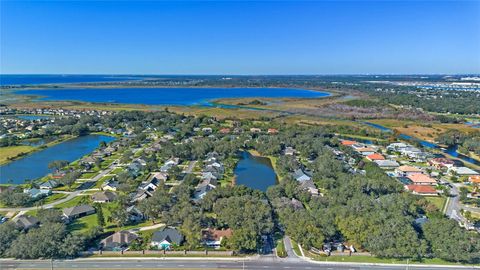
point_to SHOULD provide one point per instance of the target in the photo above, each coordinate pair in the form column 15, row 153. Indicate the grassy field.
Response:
column 281, row 252
column 438, row 201
column 11, row 152
column 371, row 259
column 295, row 247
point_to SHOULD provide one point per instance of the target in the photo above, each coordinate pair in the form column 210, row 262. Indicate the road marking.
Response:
column 181, row 265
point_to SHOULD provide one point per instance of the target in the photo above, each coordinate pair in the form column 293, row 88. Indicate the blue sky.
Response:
column 324, row 37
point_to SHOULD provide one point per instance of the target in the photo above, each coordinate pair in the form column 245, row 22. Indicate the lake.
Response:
column 166, row 96
column 35, row 165
column 255, row 172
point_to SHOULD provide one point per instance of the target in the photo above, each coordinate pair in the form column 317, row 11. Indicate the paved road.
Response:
column 291, row 256
column 193, row 264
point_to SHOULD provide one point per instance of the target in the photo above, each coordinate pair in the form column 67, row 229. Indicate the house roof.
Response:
column 104, row 196
column 49, row 184
column 299, row 175
column 172, row 235
column 387, row 163
column 119, row 239
column 464, row 171
column 348, row 143
column 421, row 189
column 77, row 210
column 26, row 222
column 421, row 178
column 474, row 179
column 375, row 156
column 406, row 168
column 442, row 161
column 215, row 235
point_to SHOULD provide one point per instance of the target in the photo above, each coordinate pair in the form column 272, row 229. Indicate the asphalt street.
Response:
column 192, row 264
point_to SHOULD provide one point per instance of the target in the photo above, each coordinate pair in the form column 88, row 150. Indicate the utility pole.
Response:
column 51, row 261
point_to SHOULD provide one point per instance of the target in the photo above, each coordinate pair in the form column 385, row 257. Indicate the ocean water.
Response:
column 26, row 79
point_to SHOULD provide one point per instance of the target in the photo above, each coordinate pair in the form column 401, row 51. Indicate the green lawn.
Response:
column 372, row 259
column 117, row 171
column 73, row 202
column 281, row 248
column 84, row 224
column 9, row 152
column 438, row 201
column 55, row 197
column 88, row 175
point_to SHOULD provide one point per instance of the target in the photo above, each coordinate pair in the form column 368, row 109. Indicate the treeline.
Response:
column 467, row 141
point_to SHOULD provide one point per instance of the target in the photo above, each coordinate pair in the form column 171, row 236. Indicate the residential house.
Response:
column 224, row 130
column 272, row 131
column 300, row 175
column 207, row 130
column 118, row 241
column 441, row 163
column 289, row 151
column 159, row 176
column 365, row 151
column 110, row 185
column 348, row 142
column 103, row 197
column 213, row 238
column 134, row 214
column 309, row 186
column 50, row 184
column 406, row 170
column 166, row 238
column 25, row 222
column 463, row 171
column 387, row 164
column 375, row 156
column 78, row 211
column 421, row 179
column 474, row 179
column 255, row 130
column 36, row 193
column 139, row 195
column 201, row 190
column 422, row 190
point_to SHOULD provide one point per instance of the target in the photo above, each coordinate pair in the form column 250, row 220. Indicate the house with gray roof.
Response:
column 300, row 175
column 25, row 222
column 166, row 238
column 78, row 211
column 118, row 241
column 103, row 197
column 50, row 184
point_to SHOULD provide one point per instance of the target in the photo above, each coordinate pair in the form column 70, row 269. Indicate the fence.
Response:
column 160, row 253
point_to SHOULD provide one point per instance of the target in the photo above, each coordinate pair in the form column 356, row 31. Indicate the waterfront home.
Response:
column 406, row 170
column 50, row 184
column 375, row 156
column 213, row 238
column 301, row 176
column 166, row 238
column 387, row 164
column 348, row 142
column 36, row 193
column 462, row 171
column 118, row 241
column 422, row 190
column 78, row 211
column 25, row 222
column 421, row 179
column 104, row 197
column 441, row 163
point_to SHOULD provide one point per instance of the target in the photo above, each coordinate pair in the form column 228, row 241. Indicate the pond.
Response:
column 255, row 172
column 35, row 165
column 166, row 96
